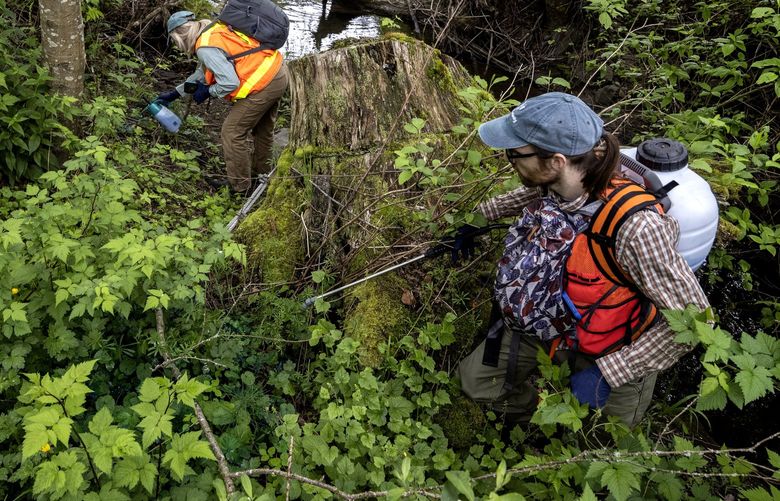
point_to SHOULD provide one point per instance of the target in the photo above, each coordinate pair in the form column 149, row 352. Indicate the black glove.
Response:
column 168, row 97
column 201, row 93
column 464, row 242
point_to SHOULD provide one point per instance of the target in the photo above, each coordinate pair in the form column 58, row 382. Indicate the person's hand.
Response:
column 168, row 97
column 463, row 243
column 201, row 93
column 590, row 387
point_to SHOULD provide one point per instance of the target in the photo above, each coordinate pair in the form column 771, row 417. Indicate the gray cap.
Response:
column 556, row 122
column 179, row 18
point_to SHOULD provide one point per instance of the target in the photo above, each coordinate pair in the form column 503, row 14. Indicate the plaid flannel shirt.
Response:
column 646, row 249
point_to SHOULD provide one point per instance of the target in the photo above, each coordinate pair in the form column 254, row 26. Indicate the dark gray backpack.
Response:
column 260, row 19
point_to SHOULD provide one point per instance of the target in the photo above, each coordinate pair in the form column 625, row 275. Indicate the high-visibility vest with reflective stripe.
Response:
column 613, row 313
column 254, row 71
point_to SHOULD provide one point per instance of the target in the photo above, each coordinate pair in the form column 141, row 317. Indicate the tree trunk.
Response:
column 335, row 203
column 62, row 37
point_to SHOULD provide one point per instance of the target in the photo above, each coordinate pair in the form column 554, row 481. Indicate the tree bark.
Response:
column 335, row 202
column 62, row 38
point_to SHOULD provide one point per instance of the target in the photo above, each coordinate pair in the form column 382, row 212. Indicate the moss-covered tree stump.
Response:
column 335, row 203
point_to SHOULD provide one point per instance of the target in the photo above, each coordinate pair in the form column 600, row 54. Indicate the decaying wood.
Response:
column 336, row 202
column 351, row 97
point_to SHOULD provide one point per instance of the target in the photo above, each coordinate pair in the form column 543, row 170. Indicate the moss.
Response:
column 460, row 422
column 401, row 37
column 344, row 43
column 375, row 316
column 439, row 73
column 727, row 232
column 272, row 234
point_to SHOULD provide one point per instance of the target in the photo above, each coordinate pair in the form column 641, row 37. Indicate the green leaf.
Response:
column 35, row 437
column 63, row 474
column 587, row 494
column 129, row 471
column 404, row 176
column 621, row 479
column 461, row 481
column 474, row 157
column 714, row 400
column 188, row 389
column 411, row 129
column 759, row 12
column 764, row 348
column 501, row 478
column 766, row 77
column 149, row 391
column 759, row 494
column 321, row 306
column 246, row 484
column 151, row 303
column 669, row 486
column 183, row 448
column 735, row 395
column 700, row 164
column 101, row 421
column 774, row 459
column 754, row 383
column 605, row 20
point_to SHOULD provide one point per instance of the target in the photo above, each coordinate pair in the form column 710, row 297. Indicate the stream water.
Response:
column 316, row 24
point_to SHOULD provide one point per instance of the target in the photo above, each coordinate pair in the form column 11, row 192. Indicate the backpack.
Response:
column 529, row 282
column 260, row 19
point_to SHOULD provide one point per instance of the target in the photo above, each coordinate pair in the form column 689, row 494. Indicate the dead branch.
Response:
column 224, row 468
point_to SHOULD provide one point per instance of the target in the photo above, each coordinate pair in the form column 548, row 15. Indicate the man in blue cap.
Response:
column 232, row 66
column 610, row 334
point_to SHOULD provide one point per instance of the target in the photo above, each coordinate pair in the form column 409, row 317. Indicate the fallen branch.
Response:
column 224, row 468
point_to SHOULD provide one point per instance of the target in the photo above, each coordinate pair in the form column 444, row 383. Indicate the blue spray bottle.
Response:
column 166, row 117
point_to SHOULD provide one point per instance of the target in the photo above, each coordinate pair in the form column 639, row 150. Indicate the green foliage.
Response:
column 608, row 11
column 89, row 254
column 105, row 457
column 80, row 251
column 30, row 116
column 740, row 371
column 696, row 73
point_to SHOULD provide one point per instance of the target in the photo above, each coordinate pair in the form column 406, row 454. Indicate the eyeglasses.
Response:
column 512, row 154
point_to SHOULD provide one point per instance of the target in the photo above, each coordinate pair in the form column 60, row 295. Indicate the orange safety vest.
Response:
column 612, row 312
column 254, row 71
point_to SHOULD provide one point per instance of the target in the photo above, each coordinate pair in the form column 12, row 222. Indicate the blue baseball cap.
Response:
column 179, row 18
column 556, row 122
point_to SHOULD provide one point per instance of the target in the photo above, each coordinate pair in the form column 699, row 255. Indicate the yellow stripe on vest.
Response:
column 204, row 37
column 258, row 74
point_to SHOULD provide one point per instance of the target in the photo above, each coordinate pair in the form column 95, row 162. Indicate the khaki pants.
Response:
column 484, row 384
column 248, row 132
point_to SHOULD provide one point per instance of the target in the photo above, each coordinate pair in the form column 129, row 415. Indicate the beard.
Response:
column 538, row 180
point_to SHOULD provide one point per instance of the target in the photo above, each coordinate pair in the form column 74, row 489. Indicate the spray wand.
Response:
column 437, row 250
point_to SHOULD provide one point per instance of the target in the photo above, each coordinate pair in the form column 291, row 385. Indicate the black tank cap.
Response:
column 663, row 155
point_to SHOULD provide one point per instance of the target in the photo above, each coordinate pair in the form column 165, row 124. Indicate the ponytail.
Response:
column 598, row 166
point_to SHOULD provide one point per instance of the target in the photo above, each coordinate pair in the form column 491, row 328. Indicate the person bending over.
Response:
column 549, row 291
column 230, row 67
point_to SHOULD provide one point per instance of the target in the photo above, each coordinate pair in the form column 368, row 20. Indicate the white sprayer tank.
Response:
column 693, row 204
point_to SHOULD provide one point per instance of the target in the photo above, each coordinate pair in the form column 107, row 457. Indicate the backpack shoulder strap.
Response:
column 625, row 200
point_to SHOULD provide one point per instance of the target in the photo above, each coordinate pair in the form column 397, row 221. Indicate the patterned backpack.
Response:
column 529, row 283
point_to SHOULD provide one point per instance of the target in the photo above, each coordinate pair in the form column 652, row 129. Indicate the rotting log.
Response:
column 335, row 202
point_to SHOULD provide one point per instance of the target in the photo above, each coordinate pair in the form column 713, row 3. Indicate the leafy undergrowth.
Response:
column 141, row 361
